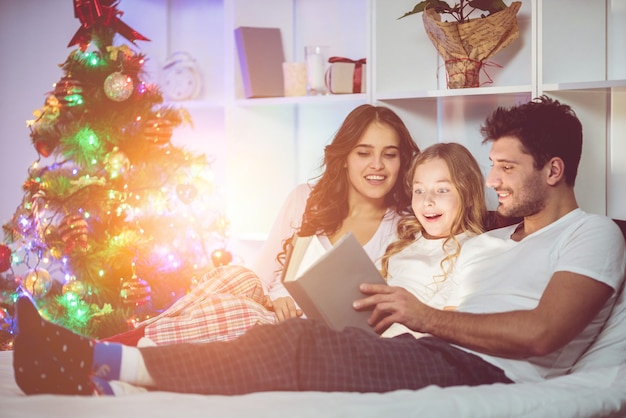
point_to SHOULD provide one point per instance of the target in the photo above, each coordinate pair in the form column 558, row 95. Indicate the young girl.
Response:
column 448, row 206
column 363, row 189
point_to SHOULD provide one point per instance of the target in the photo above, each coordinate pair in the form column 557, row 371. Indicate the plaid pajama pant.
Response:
column 305, row 355
column 224, row 305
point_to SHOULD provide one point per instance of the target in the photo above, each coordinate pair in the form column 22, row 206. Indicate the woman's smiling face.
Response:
column 373, row 165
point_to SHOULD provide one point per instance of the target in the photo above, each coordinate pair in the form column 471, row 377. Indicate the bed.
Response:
column 589, row 393
column 595, row 388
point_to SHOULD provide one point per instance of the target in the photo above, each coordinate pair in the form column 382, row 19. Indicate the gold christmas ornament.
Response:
column 37, row 282
column 118, row 87
column 56, row 253
column 74, row 286
column 116, row 163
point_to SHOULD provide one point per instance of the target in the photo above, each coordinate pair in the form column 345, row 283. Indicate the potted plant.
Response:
column 476, row 31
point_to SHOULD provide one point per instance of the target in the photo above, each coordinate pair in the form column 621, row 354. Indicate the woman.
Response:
column 448, row 206
column 362, row 189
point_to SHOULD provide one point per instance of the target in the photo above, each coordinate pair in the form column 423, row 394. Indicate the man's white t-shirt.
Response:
column 496, row 274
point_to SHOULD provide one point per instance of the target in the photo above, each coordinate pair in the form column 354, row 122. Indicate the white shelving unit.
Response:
column 571, row 50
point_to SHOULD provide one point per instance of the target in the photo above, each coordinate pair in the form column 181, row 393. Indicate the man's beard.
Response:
column 529, row 201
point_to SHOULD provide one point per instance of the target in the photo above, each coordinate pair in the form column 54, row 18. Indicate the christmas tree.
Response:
column 116, row 222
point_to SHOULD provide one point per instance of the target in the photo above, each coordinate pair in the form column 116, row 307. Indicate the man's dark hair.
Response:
column 545, row 127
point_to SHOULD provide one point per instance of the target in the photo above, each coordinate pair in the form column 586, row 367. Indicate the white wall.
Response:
column 33, row 39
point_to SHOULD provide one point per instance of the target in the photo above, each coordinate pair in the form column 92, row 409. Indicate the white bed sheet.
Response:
column 598, row 393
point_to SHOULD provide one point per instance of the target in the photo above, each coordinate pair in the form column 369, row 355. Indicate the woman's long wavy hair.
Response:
column 327, row 205
column 468, row 183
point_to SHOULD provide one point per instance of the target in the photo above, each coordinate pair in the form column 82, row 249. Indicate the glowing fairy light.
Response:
column 92, row 59
column 141, row 88
column 87, row 139
column 15, row 259
column 74, row 100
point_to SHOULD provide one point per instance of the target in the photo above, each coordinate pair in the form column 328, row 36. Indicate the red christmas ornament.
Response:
column 5, row 258
column 68, row 91
column 43, row 149
column 73, row 231
column 135, row 291
column 221, row 257
column 158, row 131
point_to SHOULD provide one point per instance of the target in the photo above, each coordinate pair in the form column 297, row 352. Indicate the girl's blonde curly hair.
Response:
column 468, row 183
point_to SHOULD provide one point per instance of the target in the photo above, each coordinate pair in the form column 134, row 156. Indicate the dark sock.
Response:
column 72, row 350
column 37, row 371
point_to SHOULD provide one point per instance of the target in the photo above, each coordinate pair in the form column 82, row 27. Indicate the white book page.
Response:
column 313, row 252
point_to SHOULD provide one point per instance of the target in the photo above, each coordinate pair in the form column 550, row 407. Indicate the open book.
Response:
column 324, row 283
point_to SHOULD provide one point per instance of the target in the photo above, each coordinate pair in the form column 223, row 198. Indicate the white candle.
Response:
column 316, row 68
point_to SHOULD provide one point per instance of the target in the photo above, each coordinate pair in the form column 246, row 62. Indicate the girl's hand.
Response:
column 283, row 307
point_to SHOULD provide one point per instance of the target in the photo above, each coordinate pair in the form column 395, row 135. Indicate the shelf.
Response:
column 590, row 85
column 197, row 104
column 478, row 91
column 331, row 98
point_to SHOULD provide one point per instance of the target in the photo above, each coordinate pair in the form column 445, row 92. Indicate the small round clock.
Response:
column 181, row 77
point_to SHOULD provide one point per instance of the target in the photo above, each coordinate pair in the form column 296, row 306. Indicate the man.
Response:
column 529, row 299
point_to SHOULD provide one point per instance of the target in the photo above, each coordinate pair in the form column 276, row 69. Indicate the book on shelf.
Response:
column 324, row 283
column 261, row 58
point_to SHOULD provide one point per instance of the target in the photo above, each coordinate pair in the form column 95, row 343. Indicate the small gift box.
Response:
column 345, row 75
